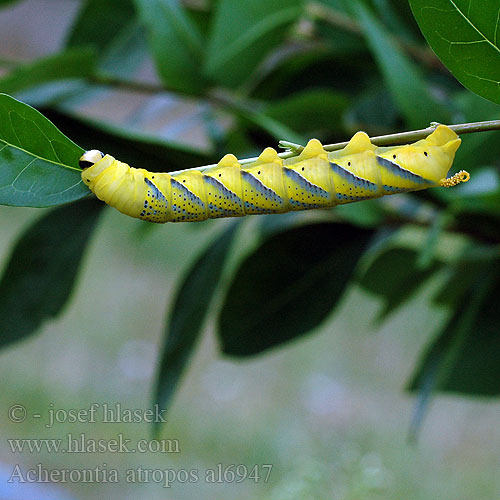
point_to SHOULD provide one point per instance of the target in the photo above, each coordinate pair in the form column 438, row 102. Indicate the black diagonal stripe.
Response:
column 260, row 187
column 219, row 186
column 396, row 169
column 352, row 178
column 306, row 184
column 157, row 194
column 188, row 193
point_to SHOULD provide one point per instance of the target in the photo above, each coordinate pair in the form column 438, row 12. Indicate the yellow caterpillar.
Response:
column 313, row 179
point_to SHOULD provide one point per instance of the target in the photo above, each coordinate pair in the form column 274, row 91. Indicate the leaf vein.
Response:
column 472, row 25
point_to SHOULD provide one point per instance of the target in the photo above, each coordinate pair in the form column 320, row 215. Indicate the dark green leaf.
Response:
column 243, row 33
column 273, row 127
column 121, row 59
column 403, row 78
column 395, row 276
column 430, row 245
column 465, row 355
column 125, row 54
column 463, row 273
column 42, row 269
column 53, row 93
column 367, row 214
column 305, row 68
column 365, row 114
column 466, row 290
column 38, row 164
column 98, row 23
column 482, row 196
column 464, row 35
column 75, row 63
column 288, row 286
column 310, row 111
column 483, row 225
column 137, row 150
column 337, row 27
column 398, row 18
column 175, row 42
column 188, row 314
column 481, row 149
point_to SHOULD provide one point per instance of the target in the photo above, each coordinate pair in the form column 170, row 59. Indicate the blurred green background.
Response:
column 329, row 410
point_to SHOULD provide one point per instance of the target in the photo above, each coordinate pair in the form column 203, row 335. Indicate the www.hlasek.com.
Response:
column 232, row 473
column 80, row 443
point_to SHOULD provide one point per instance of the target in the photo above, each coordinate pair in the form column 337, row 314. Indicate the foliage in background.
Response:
column 260, row 71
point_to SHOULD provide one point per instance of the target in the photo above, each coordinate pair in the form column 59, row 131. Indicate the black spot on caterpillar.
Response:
column 313, row 179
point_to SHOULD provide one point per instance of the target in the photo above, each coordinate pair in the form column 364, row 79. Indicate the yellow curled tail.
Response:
column 459, row 177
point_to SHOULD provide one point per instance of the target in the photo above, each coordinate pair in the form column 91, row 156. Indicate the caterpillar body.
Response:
column 313, row 179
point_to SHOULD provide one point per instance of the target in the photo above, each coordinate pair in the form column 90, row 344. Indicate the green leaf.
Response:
column 337, row 27
column 397, row 17
column 37, row 162
column 42, row 269
column 303, row 69
column 483, row 225
column 430, row 245
column 98, row 23
column 403, row 78
column 477, row 149
column 395, row 276
column 175, row 42
column 465, row 355
column 124, row 55
column 74, row 63
column 138, row 150
column 243, row 33
column 463, row 273
column 274, row 127
column 365, row 114
column 190, row 308
column 370, row 213
column 309, row 111
column 464, row 35
column 289, row 285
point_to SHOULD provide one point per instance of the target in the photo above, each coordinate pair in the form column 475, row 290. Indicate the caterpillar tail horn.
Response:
column 454, row 180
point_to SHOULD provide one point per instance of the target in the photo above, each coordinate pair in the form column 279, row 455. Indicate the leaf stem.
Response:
column 381, row 140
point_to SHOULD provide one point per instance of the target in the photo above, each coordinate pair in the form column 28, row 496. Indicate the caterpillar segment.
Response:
column 313, row 179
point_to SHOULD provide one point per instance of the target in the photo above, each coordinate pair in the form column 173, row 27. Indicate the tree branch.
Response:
column 402, row 137
column 382, row 140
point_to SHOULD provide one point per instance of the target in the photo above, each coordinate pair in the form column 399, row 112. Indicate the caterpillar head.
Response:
column 431, row 158
column 89, row 158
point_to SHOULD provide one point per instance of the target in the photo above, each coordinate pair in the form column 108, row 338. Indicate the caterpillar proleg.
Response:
column 313, row 179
